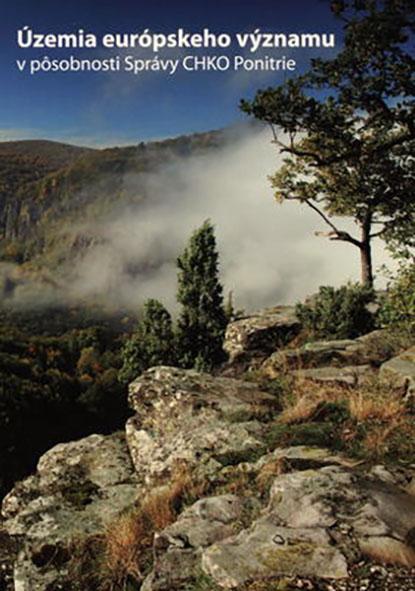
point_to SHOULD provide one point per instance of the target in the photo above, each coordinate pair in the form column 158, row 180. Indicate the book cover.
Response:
column 207, row 278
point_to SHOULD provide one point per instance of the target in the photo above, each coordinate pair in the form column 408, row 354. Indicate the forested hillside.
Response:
column 47, row 190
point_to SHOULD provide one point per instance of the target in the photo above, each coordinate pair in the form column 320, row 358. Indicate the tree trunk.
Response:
column 366, row 252
column 366, row 264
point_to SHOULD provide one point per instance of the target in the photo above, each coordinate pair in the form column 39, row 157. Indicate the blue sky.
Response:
column 109, row 109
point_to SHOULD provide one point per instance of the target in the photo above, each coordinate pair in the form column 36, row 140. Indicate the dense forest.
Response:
column 58, row 381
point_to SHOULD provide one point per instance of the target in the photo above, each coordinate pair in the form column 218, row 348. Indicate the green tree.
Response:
column 202, row 321
column 398, row 305
column 152, row 344
column 347, row 128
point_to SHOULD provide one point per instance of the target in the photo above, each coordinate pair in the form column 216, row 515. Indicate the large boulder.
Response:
column 78, row 489
column 372, row 508
column 269, row 550
column 186, row 417
column 177, row 549
column 257, row 336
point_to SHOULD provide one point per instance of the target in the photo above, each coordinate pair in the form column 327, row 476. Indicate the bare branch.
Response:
column 278, row 142
column 341, row 236
column 321, row 214
column 377, row 234
column 346, row 237
column 336, row 234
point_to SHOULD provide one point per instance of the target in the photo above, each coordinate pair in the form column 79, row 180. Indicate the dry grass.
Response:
column 364, row 407
column 377, row 439
column 372, row 400
column 161, row 507
column 86, row 559
column 240, row 484
column 388, row 421
column 379, row 422
column 268, row 472
column 304, row 399
column 128, row 541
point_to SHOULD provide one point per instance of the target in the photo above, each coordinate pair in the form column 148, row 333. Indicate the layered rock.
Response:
column 266, row 513
column 343, row 361
column 352, row 376
column 317, row 523
column 251, row 339
column 178, row 548
column 267, row 549
column 77, row 490
column 187, row 417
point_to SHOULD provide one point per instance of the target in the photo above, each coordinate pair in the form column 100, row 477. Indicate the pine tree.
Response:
column 202, row 321
column 152, row 344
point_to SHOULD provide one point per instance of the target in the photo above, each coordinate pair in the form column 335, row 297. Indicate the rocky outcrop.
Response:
column 267, row 549
column 77, row 490
column 317, row 523
column 343, row 376
column 355, row 356
column 370, row 511
column 185, row 416
column 401, row 370
column 316, row 519
column 253, row 338
column 264, row 514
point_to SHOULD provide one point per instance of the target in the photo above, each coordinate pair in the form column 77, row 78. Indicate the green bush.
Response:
column 152, row 344
column 338, row 313
column 398, row 305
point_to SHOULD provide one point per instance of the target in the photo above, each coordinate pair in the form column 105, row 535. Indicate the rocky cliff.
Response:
column 280, row 473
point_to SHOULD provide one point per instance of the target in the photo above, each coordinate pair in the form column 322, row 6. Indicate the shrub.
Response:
column 398, row 306
column 338, row 313
column 152, row 344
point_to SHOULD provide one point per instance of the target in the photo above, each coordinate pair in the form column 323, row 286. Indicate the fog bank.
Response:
column 268, row 252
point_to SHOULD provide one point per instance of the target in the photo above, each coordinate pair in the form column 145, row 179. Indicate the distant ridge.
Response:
column 52, row 155
column 49, row 189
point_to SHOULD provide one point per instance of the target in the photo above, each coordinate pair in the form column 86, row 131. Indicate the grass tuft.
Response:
column 371, row 421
